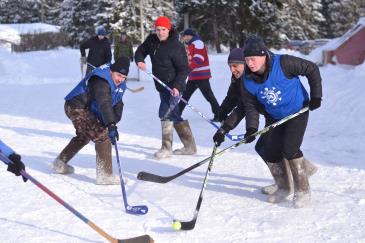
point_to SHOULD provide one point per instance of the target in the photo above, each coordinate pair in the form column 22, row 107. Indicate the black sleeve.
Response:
column 99, row 91
column 108, row 52
column 180, row 62
column 250, row 105
column 118, row 111
column 295, row 66
column 143, row 50
column 233, row 119
column 230, row 101
column 84, row 46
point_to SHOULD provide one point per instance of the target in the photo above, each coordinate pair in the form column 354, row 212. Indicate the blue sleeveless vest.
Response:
column 103, row 72
column 279, row 95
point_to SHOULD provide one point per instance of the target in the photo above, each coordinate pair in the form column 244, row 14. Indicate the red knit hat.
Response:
column 163, row 21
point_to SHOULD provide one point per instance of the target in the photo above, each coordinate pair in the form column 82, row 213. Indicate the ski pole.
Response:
column 231, row 137
column 146, row 176
column 137, row 210
column 139, row 239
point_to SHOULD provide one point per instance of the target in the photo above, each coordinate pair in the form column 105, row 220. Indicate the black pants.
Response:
column 204, row 86
column 285, row 140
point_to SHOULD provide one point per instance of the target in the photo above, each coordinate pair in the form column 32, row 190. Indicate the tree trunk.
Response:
column 215, row 30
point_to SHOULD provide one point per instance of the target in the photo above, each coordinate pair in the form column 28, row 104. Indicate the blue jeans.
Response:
column 169, row 108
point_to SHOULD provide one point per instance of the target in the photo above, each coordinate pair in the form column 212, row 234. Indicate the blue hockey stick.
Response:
column 137, row 210
column 231, row 137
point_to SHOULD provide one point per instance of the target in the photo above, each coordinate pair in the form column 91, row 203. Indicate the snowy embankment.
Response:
column 32, row 121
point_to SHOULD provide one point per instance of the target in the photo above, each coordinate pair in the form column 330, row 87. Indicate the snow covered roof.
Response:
column 335, row 43
column 11, row 32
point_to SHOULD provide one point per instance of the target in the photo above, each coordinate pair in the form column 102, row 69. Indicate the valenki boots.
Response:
column 104, row 167
column 310, row 168
column 282, row 180
column 302, row 194
column 186, row 136
column 60, row 165
column 166, row 147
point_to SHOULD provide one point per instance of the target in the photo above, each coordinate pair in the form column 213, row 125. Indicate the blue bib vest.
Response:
column 103, row 72
column 279, row 95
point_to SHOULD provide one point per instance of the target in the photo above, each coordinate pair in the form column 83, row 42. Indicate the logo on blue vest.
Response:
column 271, row 95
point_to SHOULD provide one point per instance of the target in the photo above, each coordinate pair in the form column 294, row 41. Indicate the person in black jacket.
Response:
column 99, row 50
column 271, row 86
column 231, row 113
column 170, row 65
column 95, row 106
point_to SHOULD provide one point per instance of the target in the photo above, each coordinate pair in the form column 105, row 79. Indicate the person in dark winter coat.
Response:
column 272, row 86
column 99, row 50
column 123, row 47
column 199, row 71
column 232, row 112
column 95, row 106
column 170, row 65
column 17, row 165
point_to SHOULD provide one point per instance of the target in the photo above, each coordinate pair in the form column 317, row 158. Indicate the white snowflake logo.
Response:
column 271, row 95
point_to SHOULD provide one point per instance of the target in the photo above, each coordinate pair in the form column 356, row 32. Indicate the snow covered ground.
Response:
column 32, row 121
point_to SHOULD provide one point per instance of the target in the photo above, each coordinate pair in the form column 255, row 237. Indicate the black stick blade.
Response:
column 187, row 225
column 145, row 176
column 138, row 239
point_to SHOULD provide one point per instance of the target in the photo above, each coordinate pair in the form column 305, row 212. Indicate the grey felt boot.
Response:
column 302, row 193
column 104, row 167
column 282, row 180
column 186, row 136
column 166, row 147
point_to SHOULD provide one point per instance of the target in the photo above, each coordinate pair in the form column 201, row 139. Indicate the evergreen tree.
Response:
column 19, row 11
column 340, row 16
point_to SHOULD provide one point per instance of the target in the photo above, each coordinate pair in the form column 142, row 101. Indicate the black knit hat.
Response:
column 188, row 31
column 236, row 56
column 121, row 65
column 254, row 46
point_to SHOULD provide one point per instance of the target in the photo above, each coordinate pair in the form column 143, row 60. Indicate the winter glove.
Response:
column 218, row 137
column 314, row 103
column 16, row 166
column 113, row 133
column 248, row 136
column 83, row 60
column 131, row 59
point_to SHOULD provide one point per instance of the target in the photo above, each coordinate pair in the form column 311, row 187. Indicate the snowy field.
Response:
column 32, row 121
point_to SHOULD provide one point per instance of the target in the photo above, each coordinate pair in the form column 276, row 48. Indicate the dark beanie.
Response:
column 121, row 65
column 254, row 46
column 236, row 56
column 188, row 31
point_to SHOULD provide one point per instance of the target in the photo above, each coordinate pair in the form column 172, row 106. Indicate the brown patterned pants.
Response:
column 87, row 126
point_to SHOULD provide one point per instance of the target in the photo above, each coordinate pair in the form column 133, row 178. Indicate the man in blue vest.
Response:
column 271, row 86
column 95, row 106
column 17, row 164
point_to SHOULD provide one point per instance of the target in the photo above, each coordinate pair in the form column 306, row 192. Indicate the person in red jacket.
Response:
column 199, row 71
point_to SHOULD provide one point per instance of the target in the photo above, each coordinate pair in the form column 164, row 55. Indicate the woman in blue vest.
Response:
column 95, row 106
column 271, row 86
column 17, row 164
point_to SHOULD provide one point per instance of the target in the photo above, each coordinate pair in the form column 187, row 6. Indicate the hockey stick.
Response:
column 136, row 90
column 189, row 225
column 231, row 137
column 137, row 210
column 82, row 69
column 139, row 239
column 146, row 176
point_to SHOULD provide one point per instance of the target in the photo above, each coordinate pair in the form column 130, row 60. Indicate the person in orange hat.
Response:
column 170, row 65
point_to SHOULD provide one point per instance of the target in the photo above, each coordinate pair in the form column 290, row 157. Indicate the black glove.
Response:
column 16, row 166
column 113, row 133
column 218, row 137
column 131, row 59
column 248, row 136
column 314, row 103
